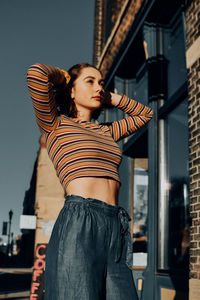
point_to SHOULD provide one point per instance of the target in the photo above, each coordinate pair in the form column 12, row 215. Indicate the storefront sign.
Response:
column 37, row 285
column 27, row 222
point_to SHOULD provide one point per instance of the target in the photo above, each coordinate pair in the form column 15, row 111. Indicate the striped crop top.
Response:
column 78, row 148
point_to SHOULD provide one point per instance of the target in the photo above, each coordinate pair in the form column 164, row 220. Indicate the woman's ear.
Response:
column 72, row 92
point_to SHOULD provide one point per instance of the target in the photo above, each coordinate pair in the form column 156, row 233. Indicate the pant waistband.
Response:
column 124, row 219
column 76, row 198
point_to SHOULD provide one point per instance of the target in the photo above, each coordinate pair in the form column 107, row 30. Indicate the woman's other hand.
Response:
column 57, row 77
column 106, row 98
column 110, row 99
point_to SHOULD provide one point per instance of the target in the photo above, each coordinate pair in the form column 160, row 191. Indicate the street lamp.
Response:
column 9, row 230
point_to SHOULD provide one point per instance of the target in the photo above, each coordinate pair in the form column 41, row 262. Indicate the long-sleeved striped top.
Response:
column 78, row 148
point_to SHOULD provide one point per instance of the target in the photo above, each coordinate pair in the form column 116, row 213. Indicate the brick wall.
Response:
column 193, row 22
column 120, row 34
column 192, row 15
column 49, row 196
column 100, row 28
column 115, row 10
column 194, row 150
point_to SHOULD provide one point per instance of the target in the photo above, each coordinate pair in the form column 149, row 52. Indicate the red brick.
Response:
column 193, row 200
column 193, row 215
column 193, row 259
column 193, row 170
column 197, row 192
column 197, row 237
column 193, row 244
column 195, row 222
column 193, row 230
column 196, row 267
column 197, row 207
column 193, row 275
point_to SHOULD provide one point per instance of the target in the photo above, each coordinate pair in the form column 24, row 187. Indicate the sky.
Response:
column 58, row 33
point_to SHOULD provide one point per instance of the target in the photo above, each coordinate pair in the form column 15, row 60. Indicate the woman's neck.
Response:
column 85, row 115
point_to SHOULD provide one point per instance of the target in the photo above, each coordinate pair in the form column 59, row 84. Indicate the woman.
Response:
column 90, row 250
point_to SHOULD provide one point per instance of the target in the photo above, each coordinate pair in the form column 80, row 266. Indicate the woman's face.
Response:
column 87, row 88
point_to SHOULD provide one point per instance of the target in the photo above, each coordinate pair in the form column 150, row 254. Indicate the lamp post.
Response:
column 9, row 230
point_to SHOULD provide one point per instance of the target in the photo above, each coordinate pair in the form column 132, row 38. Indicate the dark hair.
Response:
column 64, row 102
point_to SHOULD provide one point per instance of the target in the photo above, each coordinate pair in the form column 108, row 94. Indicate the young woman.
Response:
column 89, row 255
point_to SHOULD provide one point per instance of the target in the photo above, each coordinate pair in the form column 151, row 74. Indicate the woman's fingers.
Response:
column 106, row 97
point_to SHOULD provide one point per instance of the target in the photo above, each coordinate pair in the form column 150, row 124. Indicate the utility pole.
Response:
column 9, row 230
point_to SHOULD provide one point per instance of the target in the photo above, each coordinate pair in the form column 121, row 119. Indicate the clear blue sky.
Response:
column 59, row 33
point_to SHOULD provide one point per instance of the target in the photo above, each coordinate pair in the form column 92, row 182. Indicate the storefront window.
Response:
column 140, row 209
column 177, row 133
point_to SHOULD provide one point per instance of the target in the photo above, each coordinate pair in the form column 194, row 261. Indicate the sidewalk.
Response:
column 16, row 270
column 15, row 283
column 18, row 295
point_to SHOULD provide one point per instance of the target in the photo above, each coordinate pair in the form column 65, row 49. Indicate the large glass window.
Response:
column 140, row 209
column 177, row 133
column 134, row 173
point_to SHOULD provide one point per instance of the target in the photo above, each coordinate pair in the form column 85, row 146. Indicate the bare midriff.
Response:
column 104, row 189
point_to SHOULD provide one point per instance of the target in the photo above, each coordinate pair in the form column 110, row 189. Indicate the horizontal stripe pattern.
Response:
column 139, row 115
column 41, row 92
column 81, row 149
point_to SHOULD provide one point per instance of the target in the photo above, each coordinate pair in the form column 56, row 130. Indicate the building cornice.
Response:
column 114, row 31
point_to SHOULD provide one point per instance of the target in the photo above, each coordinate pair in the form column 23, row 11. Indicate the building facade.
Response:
column 192, row 16
column 150, row 50
column 45, row 198
column 49, row 196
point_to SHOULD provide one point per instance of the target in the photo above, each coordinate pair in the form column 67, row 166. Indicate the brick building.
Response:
column 49, row 197
column 45, row 198
column 150, row 50
column 192, row 15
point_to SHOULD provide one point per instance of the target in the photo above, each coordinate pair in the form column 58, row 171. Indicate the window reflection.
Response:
column 140, row 209
column 177, row 122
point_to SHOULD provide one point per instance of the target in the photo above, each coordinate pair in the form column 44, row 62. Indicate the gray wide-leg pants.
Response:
column 89, row 253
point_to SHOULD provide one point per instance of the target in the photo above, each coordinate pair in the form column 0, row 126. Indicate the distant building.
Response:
column 25, row 242
column 44, row 198
column 150, row 51
column 49, row 196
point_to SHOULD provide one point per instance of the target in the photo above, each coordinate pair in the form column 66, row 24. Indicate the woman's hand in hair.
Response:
column 110, row 99
column 106, row 98
column 57, row 78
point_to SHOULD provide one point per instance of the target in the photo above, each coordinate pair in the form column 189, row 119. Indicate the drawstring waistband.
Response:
column 124, row 233
column 123, row 230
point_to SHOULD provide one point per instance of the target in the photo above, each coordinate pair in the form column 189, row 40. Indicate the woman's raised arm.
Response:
column 138, row 116
column 40, row 80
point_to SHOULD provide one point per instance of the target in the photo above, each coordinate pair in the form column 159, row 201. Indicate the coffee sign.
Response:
column 37, row 285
